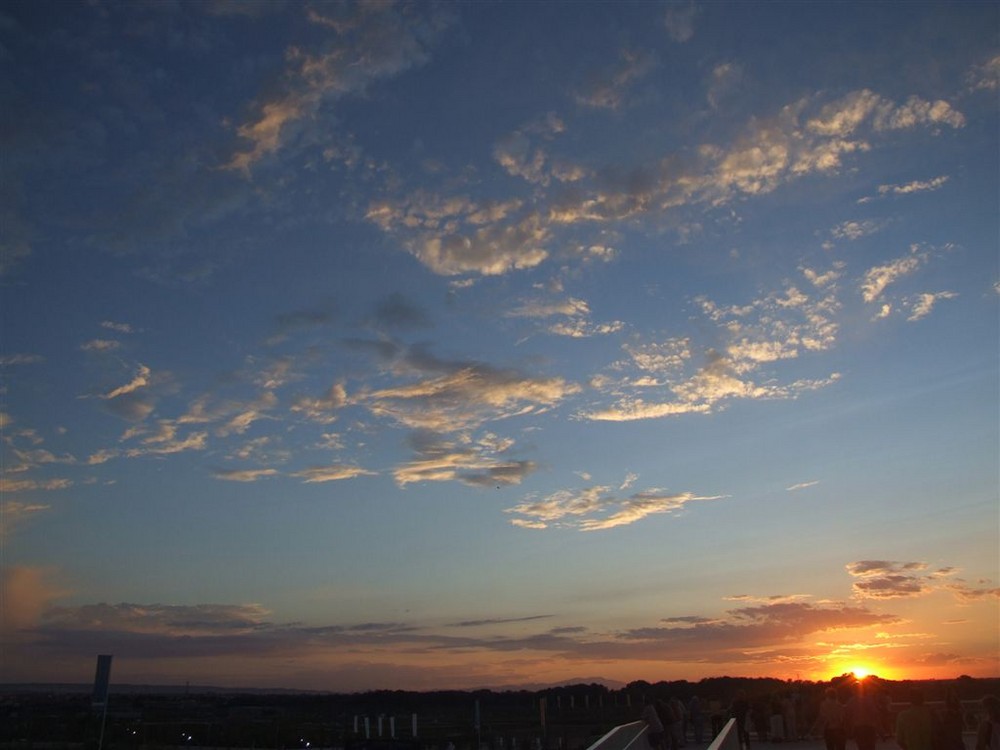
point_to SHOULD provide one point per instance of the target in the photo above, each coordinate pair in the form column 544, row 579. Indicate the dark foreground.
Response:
column 567, row 718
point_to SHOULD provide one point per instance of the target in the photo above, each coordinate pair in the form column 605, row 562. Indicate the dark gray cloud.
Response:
column 497, row 621
column 396, row 312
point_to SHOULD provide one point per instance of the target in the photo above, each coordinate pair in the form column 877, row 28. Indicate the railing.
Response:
column 633, row 737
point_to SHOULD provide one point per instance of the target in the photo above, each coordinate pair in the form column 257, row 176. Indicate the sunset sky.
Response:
column 384, row 345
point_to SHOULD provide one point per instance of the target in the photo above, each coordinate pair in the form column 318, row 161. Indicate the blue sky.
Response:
column 378, row 345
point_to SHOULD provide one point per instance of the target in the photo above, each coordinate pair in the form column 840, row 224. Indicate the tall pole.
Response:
column 102, row 681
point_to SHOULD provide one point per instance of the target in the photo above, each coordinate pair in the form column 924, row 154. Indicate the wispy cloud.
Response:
column 679, row 21
column 802, row 486
column 805, row 137
column 448, row 396
column 917, row 186
column 366, row 43
column 877, row 278
column 333, row 473
column 576, row 314
column 923, row 304
column 12, row 360
column 855, row 230
column 16, row 512
column 243, row 475
column 780, row 326
column 985, row 76
column 598, row 507
column 889, row 579
column 480, row 463
column 608, row 90
column 100, row 345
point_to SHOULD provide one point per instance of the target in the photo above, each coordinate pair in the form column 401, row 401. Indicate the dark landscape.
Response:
column 569, row 717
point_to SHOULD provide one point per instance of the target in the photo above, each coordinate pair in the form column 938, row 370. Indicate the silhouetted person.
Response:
column 677, row 729
column 697, row 718
column 988, row 734
column 952, row 722
column 760, row 716
column 831, row 721
column 665, row 711
column 654, row 732
column 777, row 720
column 862, row 713
column 915, row 725
column 740, row 710
column 791, row 718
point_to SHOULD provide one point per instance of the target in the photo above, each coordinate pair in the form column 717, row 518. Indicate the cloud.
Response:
column 117, row 327
column 174, row 620
column 289, row 323
column 448, row 396
column 877, row 278
column 917, row 186
column 608, row 90
column 576, row 312
column 396, row 312
column 779, row 326
column 478, row 463
column 985, row 76
column 141, row 380
column 100, row 345
column 16, row 513
column 322, row 409
column 886, row 579
column 968, row 594
column 597, row 508
column 368, row 42
column 243, row 475
column 27, row 593
column 520, row 157
column 923, row 304
column 855, row 230
column 679, row 22
column 454, row 235
column 844, row 116
column 12, row 360
column 488, row 251
column 247, row 414
column 333, row 473
column 497, row 621
column 8, row 485
column 725, row 79
column 768, row 629
column 801, row 486
column 164, row 442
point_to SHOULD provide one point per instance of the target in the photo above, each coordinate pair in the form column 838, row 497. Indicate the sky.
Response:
column 370, row 345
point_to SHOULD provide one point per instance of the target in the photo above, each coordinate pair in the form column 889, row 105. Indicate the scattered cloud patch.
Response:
column 17, row 512
column 878, row 278
column 917, row 186
column 802, row 486
column 923, row 304
column 15, row 360
column 367, row 43
column 334, row 473
column 481, row 462
column 599, row 507
column 679, row 22
column 885, row 579
column 608, row 90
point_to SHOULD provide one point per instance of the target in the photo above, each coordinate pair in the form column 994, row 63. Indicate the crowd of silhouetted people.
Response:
column 860, row 714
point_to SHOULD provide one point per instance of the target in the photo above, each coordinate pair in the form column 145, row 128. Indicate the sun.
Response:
column 861, row 672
